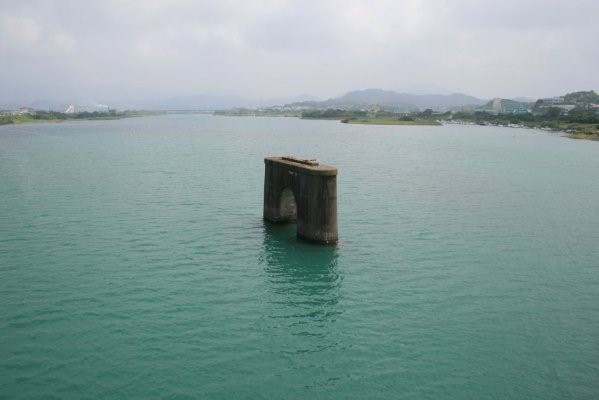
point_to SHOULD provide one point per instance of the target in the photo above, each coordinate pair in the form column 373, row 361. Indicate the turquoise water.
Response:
column 134, row 263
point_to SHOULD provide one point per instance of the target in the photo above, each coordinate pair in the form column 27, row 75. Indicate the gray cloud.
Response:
column 112, row 50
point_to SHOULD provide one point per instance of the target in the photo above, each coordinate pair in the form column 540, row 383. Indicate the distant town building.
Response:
column 552, row 101
column 520, row 110
column 567, row 107
column 26, row 110
column 497, row 105
column 504, row 106
column 70, row 109
column 374, row 108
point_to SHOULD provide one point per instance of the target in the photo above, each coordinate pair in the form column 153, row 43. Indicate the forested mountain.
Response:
column 392, row 99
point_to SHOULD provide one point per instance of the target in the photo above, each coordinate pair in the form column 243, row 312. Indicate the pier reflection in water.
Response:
column 303, row 285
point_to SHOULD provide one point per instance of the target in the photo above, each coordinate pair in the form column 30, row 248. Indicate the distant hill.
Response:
column 576, row 98
column 59, row 106
column 197, row 102
column 506, row 105
column 285, row 100
column 392, row 99
column 523, row 100
column 208, row 102
column 353, row 99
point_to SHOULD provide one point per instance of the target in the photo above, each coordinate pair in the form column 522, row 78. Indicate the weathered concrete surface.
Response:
column 302, row 190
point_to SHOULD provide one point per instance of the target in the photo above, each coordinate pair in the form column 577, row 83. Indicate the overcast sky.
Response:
column 136, row 49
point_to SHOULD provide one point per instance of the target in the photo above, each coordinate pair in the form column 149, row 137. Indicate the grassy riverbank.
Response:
column 576, row 126
column 389, row 121
column 584, row 136
column 52, row 116
column 369, row 118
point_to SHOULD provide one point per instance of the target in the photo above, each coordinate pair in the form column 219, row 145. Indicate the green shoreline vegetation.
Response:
column 372, row 117
column 577, row 124
column 383, row 121
column 575, row 114
column 54, row 116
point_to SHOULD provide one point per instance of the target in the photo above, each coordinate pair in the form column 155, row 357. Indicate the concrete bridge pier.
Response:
column 303, row 191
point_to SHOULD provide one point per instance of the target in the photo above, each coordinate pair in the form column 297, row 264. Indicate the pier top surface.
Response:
column 308, row 166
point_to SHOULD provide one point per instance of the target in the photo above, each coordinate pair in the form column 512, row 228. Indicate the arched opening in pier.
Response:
column 287, row 206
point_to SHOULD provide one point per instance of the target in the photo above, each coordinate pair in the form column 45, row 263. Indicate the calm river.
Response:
column 134, row 263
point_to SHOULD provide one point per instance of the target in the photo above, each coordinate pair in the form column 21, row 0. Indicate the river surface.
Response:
column 135, row 264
